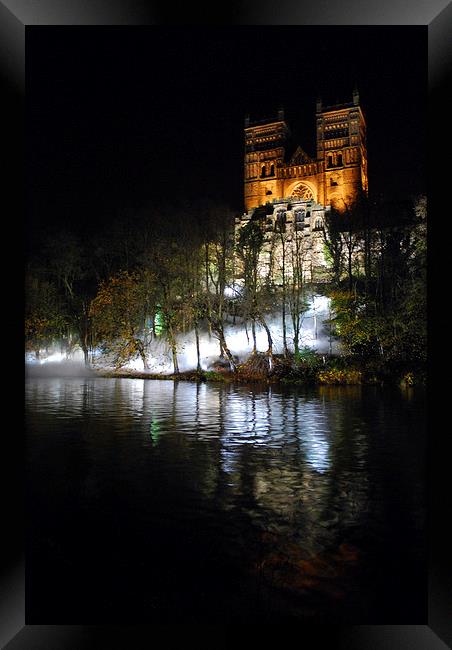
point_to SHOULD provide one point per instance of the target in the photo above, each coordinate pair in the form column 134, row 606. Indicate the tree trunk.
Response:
column 83, row 331
column 284, row 328
column 367, row 259
column 220, row 333
column 209, row 309
column 296, row 335
column 142, row 353
column 173, row 346
column 270, row 344
column 350, row 273
column 175, row 362
column 198, row 356
column 253, row 330
column 85, row 354
column 296, row 345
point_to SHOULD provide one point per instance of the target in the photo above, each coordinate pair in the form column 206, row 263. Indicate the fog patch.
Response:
column 314, row 334
column 57, row 364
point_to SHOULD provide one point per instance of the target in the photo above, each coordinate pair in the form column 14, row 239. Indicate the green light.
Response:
column 155, row 431
column 159, row 322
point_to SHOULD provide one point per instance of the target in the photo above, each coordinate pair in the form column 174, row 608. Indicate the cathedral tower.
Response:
column 342, row 152
column 265, row 143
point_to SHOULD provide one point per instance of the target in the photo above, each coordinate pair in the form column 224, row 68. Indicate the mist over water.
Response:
column 57, row 364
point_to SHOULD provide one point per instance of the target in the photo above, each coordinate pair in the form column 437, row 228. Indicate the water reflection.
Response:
column 316, row 467
column 290, row 460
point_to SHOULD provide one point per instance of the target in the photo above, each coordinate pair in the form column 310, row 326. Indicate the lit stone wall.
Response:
column 293, row 235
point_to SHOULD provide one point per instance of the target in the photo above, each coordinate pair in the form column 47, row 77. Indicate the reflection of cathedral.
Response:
column 283, row 185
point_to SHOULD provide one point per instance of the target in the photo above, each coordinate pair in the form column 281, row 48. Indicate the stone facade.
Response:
column 295, row 225
column 297, row 188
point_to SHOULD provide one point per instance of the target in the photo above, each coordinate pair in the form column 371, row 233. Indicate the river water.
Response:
column 162, row 501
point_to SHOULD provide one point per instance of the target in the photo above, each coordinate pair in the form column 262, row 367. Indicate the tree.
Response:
column 164, row 264
column 45, row 320
column 192, row 293
column 281, row 240
column 333, row 243
column 389, row 324
column 361, row 335
column 218, row 272
column 256, row 284
column 350, row 238
column 297, row 297
column 118, row 313
column 412, row 312
column 68, row 265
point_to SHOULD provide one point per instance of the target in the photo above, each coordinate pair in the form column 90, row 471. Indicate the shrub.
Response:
column 339, row 376
column 256, row 367
column 211, row 375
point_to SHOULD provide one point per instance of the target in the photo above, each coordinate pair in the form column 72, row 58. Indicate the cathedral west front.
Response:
column 287, row 190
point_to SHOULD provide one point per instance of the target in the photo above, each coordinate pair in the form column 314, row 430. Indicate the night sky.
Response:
column 118, row 116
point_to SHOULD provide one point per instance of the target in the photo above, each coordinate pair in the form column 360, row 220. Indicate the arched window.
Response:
column 339, row 160
column 299, row 219
column 302, row 192
column 318, row 224
column 272, row 170
column 263, row 171
column 330, row 161
column 280, row 223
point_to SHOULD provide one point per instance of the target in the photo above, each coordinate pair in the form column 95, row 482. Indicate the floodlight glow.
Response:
column 238, row 337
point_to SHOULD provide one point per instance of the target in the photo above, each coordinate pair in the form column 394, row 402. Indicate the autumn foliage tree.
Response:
column 118, row 316
column 217, row 273
column 45, row 318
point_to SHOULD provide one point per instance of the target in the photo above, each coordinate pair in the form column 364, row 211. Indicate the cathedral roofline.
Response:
column 335, row 107
column 340, row 107
column 266, row 122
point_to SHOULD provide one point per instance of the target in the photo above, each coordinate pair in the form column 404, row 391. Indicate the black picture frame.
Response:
column 15, row 19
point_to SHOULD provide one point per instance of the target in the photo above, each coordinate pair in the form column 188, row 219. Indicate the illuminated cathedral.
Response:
column 287, row 190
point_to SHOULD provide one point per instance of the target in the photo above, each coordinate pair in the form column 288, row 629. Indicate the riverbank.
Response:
column 312, row 369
